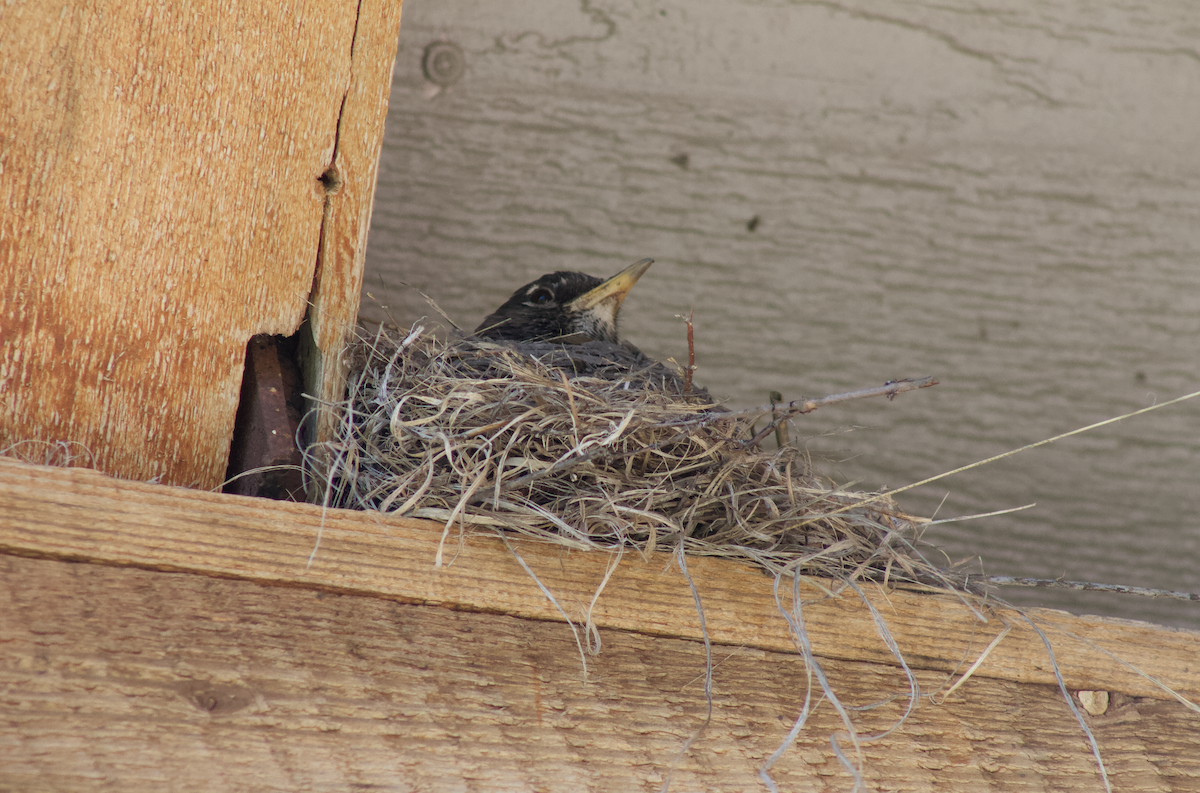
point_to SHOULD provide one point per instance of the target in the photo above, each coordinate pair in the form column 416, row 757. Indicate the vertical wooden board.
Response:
column 338, row 283
column 162, row 203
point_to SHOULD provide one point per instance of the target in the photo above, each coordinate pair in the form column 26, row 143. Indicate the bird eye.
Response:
column 541, row 297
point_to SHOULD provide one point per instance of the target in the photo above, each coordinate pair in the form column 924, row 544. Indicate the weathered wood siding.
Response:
column 1001, row 194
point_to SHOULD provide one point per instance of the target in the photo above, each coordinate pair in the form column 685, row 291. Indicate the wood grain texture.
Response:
column 162, row 203
column 81, row 515
column 333, row 313
column 1002, row 193
column 148, row 681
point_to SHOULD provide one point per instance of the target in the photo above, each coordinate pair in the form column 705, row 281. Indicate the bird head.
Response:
column 564, row 306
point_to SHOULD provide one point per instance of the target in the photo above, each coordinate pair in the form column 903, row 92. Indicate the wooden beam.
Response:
column 146, row 681
column 75, row 514
column 163, row 201
column 350, row 190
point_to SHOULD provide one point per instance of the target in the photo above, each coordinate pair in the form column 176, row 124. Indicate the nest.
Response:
column 596, row 446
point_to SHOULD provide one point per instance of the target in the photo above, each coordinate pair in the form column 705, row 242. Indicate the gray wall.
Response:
column 1004, row 196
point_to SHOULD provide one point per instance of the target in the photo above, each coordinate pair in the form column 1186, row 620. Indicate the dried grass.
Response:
column 596, row 446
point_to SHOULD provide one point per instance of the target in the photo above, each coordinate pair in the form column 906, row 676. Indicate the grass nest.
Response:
column 595, row 446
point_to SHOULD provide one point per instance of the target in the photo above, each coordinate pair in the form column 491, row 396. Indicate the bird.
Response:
column 564, row 307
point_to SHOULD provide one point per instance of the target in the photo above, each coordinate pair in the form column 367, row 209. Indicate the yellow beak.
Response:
column 614, row 288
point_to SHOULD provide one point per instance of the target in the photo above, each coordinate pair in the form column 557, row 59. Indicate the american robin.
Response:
column 564, row 307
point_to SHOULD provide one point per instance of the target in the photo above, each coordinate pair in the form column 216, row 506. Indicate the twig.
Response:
column 571, row 402
column 798, row 406
column 691, row 340
column 781, row 427
column 687, row 378
column 1087, row 586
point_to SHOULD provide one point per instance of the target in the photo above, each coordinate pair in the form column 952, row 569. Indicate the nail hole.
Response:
column 331, row 180
column 443, row 63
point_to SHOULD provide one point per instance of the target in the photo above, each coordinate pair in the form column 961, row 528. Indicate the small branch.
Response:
column 797, row 406
column 781, row 427
column 691, row 339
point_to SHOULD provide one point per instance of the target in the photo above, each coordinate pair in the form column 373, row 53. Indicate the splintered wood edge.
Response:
column 337, row 285
column 81, row 515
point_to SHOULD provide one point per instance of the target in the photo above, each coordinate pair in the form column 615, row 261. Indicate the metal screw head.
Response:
column 443, row 63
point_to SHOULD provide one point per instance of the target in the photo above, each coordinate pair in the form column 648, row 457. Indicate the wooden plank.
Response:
column 81, row 515
column 141, row 680
column 162, row 203
column 350, row 183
